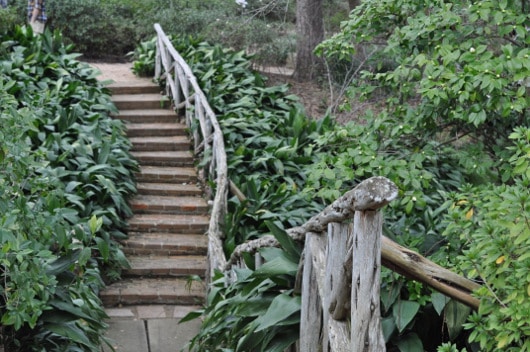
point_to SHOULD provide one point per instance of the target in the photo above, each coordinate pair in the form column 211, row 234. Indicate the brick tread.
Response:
column 165, row 244
column 155, row 129
column 165, row 174
column 134, row 104
column 152, row 291
column 134, row 87
column 169, row 189
column 166, row 143
column 138, row 98
column 147, row 116
column 151, row 311
column 194, row 224
column 163, row 158
column 166, row 265
column 169, row 205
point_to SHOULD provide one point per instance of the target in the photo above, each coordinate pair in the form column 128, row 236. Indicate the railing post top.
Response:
column 372, row 194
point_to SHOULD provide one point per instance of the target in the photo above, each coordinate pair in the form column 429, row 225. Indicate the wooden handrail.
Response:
column 183, row 89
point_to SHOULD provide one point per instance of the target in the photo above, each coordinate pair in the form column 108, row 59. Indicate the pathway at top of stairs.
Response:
column 167, row 242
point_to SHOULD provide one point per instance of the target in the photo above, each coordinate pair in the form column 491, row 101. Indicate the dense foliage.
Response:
column 449, row 90
column 65, row 177
column 449, row 84
column 441, row 130
column 109, row 29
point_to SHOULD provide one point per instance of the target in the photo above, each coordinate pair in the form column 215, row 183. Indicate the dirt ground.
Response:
column 114, row 71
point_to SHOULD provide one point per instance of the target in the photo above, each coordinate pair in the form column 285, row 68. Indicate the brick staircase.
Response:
column 167, row 242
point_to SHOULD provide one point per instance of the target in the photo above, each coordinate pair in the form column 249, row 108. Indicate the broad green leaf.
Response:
column 410, row 343
column 404, row 312
column 85, row 255
column 72, row 332
column 94, row 224
column 285, row 241
column 456, row 315
column 278, row 266
column 63, row 263
column 439, row 301
column 72, row 309
column 389, row 294
column 389, row 326
column 281, row 308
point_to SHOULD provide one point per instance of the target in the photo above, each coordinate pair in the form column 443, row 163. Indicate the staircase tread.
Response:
column 166, row 261
column 168, row 169
column 160, row 139
column 142, row 290
column 164, row 154
column 183, row 175
column 179, row 265
column 168, row 187
column 174, row 223
column 170, row 244
column 137, row 97
column 147, row 112
column 156, row 125
column 151, row 311
column 169, row 239
column 140, row 82
column 169, row 204
column 174, row 283
column 168, row 218
column 147, row 198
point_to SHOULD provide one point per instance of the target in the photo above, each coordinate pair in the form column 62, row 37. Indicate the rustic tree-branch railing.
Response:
column 183, row 89
column 344, row 246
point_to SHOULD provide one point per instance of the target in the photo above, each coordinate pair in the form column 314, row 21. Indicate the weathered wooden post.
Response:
column 341, row 272
column 366, row 332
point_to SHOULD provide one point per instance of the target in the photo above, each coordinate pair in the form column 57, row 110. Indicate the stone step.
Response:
column 164, row 143
column 186, row 224
column 142, row 204
column 164, row 266
column 148, row 116
column 161, row 174
column 140, row 86
column 163, row 158
column 141, row 243
column 140, row 101
column 156, row 129
column 169, row 189
column 150, row 334
column 150, row 311
column 134, row 291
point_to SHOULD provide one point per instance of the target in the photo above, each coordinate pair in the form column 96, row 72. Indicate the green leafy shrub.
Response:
column 493, row 225
column 441, row 128
column 262, row 310
column 144, row 56
column 65, row 179
column 450, row 91
column 99, row 29
column 9, row 18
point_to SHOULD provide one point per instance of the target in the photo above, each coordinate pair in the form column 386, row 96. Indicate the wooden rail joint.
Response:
column 372, row 194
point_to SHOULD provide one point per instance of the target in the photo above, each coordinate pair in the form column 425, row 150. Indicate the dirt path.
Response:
column 114, row 71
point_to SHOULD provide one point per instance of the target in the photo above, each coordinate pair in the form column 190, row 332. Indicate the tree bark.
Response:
column 366, row 330
column 310, row 33
column 353, row 4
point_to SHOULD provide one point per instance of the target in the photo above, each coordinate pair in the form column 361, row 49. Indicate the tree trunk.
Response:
column 353, row 4
column 310, row 31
